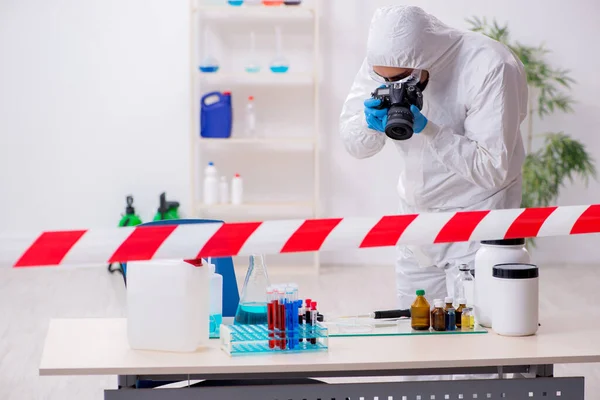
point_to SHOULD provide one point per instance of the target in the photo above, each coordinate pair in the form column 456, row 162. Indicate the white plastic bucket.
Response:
column 167, row 305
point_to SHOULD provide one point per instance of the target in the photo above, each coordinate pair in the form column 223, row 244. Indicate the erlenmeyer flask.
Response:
column 279, row 64
column 252, row 309
column 209, row 64
column 253, row 66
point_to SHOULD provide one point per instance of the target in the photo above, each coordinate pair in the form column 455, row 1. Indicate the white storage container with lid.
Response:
column 490, row 253
column 516, row 291
column 168, row 305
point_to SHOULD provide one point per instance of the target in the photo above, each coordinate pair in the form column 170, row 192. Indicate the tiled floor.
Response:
column 29, row 298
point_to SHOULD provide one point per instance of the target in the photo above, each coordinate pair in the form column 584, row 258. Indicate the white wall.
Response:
column 94, row 105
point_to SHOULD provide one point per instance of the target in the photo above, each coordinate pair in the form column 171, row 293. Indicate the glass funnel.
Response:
column 252, row 309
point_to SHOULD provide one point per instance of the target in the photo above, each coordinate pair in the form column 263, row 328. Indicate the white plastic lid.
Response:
column 438, row 303
column 448, row 300
column 462, row 301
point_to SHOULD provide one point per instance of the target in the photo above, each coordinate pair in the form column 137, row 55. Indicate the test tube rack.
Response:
column 258, row 339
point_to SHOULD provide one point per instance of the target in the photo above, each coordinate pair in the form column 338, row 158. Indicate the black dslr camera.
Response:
column 397, row 98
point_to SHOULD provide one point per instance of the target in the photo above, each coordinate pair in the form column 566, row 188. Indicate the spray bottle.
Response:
column 167, row 209
column 130, row 218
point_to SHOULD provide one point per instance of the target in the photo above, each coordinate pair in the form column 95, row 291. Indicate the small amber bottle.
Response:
column 419, row 312
column 438, row 317
column 462, row 304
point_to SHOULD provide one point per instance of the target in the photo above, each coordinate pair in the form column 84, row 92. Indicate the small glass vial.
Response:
column 419, row 312
column 447, row 306
column 466, row 319
column 462, row 304
column 438, row 317
column 450, row 319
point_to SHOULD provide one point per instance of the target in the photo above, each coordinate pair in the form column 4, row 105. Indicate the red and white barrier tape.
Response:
column 290, row 236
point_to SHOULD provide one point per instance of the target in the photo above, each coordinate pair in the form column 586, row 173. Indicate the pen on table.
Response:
column 387, row 314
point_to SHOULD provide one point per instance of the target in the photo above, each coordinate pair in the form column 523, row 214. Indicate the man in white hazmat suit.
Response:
column 467, row 151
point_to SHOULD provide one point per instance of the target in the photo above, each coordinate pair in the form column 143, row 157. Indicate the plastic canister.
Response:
column 167, row 305
column 216, row 115
column 216, row 300
column 516, row 291
column 490, row 253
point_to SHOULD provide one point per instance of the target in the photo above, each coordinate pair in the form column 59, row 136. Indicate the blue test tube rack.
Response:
column 258, row 339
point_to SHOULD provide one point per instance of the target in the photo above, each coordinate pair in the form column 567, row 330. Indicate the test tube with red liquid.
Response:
column 271, row 306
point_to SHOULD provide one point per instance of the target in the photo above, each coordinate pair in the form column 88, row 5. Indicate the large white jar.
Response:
column 516, row 311
column 490, row 253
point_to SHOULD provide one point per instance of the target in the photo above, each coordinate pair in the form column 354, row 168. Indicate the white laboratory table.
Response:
column 99, row 347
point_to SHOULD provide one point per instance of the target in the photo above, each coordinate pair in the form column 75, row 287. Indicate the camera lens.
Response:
column 400, row 123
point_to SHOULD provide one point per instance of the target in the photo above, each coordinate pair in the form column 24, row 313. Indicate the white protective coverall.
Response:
column 470, row 154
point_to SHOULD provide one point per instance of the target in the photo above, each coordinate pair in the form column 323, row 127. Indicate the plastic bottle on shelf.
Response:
column 237, row 190
column 211, row 185
column 235, row 3
column 223, row 191
column 272, row 2
column 250, row 118
column 292, row 2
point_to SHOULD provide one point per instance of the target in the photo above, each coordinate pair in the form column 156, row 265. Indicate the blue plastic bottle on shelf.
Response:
column 216, row 115
column 235, row 2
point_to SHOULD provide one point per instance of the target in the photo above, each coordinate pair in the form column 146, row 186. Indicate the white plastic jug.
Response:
column 167, row 305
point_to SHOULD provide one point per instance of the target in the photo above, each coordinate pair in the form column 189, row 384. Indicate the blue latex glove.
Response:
column 420, row 120
column 376, row 119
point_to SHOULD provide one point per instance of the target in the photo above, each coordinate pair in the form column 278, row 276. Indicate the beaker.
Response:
column 209, row 63
column 279, row 64
column 253, row 66
column 252, row 309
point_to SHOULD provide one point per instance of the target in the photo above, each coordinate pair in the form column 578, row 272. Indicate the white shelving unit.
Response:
column 304, row 81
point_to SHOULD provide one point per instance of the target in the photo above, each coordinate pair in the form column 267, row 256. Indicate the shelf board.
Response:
column 259, row 78
column 301, row 12
column 258, row 206
column 261, row 141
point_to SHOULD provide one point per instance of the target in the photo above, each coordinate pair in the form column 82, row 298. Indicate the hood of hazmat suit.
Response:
column 470, row 154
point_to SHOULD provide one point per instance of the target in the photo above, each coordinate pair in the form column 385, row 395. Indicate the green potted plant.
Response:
column 561, row 158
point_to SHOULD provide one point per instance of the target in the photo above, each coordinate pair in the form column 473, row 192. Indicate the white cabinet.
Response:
column 280, row 164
